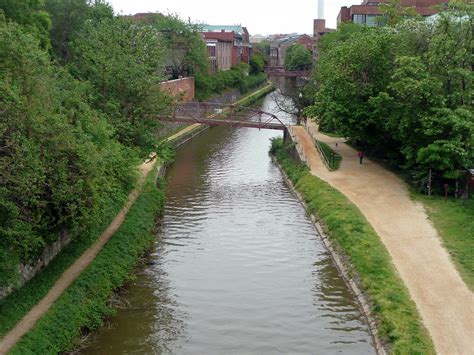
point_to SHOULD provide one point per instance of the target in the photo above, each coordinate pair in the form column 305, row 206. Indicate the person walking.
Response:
column 361, row 156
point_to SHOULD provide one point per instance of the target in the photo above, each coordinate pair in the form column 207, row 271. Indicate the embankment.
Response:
column 84, row 303
column 397, row 322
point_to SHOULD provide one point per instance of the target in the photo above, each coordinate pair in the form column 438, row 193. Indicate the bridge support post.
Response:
column 286, row 136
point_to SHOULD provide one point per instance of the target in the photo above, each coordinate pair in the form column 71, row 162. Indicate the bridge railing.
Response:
column 212, row 113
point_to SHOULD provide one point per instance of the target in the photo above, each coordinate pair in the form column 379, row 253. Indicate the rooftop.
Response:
column 226, row 28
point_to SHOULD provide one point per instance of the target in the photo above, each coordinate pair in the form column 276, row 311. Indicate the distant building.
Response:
column 220, row 47
column 258, row 39
column 241, row 49
column 319, row 30
column 279, row 47
column 368, row 12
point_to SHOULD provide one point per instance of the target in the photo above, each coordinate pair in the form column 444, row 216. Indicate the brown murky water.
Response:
column 238, row 268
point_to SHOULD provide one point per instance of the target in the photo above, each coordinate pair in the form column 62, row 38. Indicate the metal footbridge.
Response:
column 216, row 114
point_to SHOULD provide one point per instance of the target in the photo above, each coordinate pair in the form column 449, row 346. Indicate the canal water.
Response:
column 237, row 268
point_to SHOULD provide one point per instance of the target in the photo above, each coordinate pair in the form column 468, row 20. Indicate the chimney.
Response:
column 320, row 9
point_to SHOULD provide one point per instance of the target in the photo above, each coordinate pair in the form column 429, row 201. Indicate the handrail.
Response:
column 321, row 152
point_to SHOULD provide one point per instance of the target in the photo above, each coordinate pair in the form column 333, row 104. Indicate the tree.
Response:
column 394, row 12
column 402, row 93
column 257, row 64
column 263, row 49
column 298, row 58
column 60, row 167
column 124, row 63
column 31, row 15
column 68, row 17
column 185, row 51
column 292, row 97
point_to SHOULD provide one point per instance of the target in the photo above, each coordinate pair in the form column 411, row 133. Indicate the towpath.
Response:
column 443, row 299
column 73, row 272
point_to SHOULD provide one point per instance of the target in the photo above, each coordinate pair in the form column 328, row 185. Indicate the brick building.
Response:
column 238, row 35
column 279, row 47
column 368, row 12
column 319, row 30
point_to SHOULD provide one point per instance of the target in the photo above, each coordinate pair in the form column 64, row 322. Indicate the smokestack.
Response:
column 320, row 9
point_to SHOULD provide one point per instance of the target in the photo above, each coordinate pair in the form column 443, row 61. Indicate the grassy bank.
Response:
column 334, row 159
column 84, row 303
column 17, row 304
column 235, row 78
column 255, row 96
column 399, row 324
column 454, row 221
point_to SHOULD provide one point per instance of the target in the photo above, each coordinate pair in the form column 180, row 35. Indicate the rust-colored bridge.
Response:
column 215, row 114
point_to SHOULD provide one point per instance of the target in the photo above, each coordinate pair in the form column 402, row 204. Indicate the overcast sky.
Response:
column 264, row 17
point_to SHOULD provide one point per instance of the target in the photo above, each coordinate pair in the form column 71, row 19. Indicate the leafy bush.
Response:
column 257, row 64
column 237, row 77
column 298, row 57
column 60, row 166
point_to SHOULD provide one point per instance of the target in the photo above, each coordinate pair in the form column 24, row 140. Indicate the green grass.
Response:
column 399, row 324
column 331, row 134
column 334, row 159
column 17, row 304
column 454, row 221
column 84, row 304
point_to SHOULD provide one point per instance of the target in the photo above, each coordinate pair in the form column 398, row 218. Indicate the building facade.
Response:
column 240, row 37
column 368, row 12
column 220, row 48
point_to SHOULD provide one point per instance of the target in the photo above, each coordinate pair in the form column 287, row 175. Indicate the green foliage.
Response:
column 84, row 304
column 455, row 223
column 257, row 64
column 31, row 15
column 403, row 93
column 394, row 12
column 398, row 321
column 123, row 62
column 14, row 307
column 68, row 17
column 59, row 164
column 298, row 58
column 237, row 77
column 333, row 159
column 186, row 52
column 263, row 49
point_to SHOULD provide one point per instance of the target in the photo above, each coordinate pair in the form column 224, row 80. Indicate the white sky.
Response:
column 264, row 17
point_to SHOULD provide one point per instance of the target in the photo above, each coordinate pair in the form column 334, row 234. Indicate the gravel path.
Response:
column 442, row 298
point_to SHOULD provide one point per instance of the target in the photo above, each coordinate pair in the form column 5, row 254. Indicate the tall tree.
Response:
column 124, row 62
column 297, row 57
column 31, row 14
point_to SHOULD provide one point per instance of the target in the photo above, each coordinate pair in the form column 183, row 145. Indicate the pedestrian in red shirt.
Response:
column 361, row 156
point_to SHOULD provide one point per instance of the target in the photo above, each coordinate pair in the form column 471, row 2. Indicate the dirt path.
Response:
column 442, row 298
column 68, row 277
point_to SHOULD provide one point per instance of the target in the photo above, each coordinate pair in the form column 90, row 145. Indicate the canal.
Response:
column 237, row 268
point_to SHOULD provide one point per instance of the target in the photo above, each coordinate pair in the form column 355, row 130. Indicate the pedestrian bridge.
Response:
column 216, row 114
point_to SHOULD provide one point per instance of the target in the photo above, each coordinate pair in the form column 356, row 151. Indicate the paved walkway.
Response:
column 442, row 298
column 73, row 272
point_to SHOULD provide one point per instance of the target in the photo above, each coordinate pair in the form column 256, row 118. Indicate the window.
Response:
column 358, row 19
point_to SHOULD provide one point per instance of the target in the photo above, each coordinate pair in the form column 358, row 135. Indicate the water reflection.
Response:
column 239, row 268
